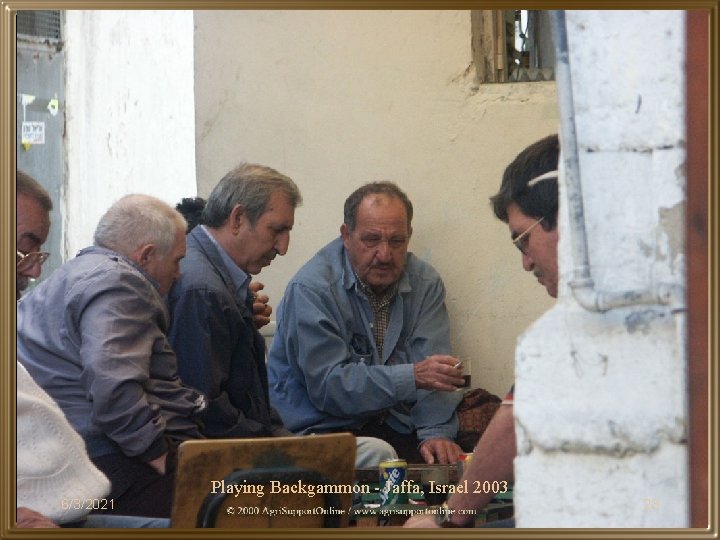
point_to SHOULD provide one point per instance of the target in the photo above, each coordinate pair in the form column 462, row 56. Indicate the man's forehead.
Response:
column 278, row 200
column 517, row 218
column 279, row 211
column 379, row 199
column 376, row 205
column 33, row 220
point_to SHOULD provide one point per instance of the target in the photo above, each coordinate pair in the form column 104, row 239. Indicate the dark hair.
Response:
column 372, row 188
column 538, row 200
column 191, row 208
column 27, row 185
column 251, row 186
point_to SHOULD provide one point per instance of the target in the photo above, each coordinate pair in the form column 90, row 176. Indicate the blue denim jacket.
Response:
column 324, row 369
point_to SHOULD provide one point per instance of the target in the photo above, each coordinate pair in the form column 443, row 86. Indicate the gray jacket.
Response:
column 93, row 335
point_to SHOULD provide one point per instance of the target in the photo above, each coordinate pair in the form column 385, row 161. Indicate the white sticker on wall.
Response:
column 52, row 106
column 33, row 133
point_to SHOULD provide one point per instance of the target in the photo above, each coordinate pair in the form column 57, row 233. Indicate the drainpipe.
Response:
column 582, row 284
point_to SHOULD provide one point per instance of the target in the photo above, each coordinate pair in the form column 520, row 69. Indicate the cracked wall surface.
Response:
column 130, row 112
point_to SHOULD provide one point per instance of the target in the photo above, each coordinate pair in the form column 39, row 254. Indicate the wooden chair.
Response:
column 266, row 482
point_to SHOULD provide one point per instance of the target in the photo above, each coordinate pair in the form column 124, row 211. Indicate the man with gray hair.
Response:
column 246, row 223
column 93, row 336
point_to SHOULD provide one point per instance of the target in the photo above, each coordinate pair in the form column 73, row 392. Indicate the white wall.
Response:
column 130, row 112
column 339, row 98
column 600, row 399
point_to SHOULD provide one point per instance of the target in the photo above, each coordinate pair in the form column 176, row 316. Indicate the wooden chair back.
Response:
column 301, row 481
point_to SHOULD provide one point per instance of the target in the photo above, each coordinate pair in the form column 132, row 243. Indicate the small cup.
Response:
column 466, row 375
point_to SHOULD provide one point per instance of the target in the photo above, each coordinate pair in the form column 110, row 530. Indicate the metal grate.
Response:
column 40, row 24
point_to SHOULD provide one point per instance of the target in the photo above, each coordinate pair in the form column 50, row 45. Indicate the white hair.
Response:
column 137, row 220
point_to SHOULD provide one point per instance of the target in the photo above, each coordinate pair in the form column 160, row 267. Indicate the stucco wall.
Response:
column 338, row 98
column 130, row 112
column 600, row 399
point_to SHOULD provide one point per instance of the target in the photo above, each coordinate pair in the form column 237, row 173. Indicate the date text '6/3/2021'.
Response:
column 87, row 504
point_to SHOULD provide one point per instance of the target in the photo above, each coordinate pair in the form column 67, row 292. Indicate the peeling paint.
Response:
column 672, row 224
column 622, row 445
column 598, row 365
column 645, row 248
column 640, row 321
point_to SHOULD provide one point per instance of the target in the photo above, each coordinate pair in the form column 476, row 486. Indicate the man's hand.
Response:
column 159, row 464
column 440, row 451
column 30, row 519
column 261, row 309
column 438, row 372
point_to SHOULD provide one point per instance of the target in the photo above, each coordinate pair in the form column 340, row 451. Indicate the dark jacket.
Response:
column 219, row 351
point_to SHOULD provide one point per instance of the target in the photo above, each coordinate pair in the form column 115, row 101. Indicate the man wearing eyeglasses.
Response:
column 528, row 202
column 93, row 336
column 33, row 225
column 49, row 451
column 362, row 341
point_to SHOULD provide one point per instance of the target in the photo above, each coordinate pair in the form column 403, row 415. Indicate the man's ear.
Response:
column 236, row 217
column 345, row 233
column 144, row 254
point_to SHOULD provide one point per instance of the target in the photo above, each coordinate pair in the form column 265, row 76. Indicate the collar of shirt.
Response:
column 239, row 278
column 112, row 253
column 378, row 301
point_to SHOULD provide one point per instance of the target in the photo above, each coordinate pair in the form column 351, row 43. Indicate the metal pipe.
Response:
column 582, row 284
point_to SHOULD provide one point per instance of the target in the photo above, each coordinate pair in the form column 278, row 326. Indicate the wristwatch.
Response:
column 443, row 515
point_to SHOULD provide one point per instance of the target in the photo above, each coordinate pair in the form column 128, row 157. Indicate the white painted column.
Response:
column 130, row 113
column 600, row 398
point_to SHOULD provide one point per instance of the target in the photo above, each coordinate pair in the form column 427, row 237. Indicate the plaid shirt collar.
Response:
column 377, row 301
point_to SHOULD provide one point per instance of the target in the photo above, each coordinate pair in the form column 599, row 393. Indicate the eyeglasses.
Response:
column 25, row 261
column 521, row 241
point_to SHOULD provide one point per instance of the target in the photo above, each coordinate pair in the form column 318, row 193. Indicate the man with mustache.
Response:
column 246, row 223
column 362, row 341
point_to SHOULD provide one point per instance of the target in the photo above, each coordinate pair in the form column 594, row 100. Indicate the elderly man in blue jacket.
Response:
column 362, row 341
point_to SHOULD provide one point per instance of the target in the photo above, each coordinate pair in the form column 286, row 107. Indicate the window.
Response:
column 512, row 46
column 41, row 26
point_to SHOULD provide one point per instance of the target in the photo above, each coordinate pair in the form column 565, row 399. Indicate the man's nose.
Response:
column 527, row 262
column 283, row 243
column 383, row 252
column 33, row 272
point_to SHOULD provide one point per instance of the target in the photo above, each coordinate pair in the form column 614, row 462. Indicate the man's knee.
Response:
column 372, row 451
